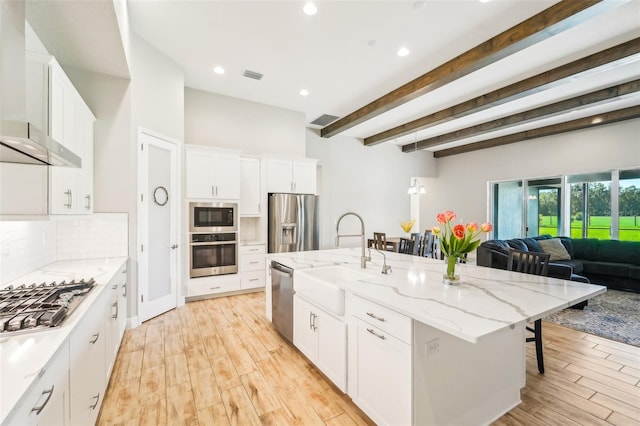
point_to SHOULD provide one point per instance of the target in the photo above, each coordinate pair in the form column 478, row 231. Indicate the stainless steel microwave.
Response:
column 213, row 217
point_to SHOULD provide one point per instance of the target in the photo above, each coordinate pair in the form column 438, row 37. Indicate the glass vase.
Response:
column 450, row 277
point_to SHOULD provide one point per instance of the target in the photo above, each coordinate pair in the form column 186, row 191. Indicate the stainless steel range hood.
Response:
column 23, row 143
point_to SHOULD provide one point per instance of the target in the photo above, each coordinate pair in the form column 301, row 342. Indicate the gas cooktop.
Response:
column 39, row 306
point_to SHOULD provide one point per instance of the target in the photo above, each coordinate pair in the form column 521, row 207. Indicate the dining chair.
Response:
column 415, row 237
column 533, row 263
column 406, row 246
column 426, row 244
column 380, row 240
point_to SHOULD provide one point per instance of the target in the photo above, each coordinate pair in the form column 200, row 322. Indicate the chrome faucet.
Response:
column 363, row 258
column 385, row 268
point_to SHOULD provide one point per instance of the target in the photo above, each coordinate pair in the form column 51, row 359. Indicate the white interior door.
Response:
column 157, row 224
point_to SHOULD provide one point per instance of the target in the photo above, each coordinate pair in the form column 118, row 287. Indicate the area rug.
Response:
column 613, row 315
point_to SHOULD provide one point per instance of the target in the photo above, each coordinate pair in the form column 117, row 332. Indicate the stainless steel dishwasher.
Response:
column 282, row 299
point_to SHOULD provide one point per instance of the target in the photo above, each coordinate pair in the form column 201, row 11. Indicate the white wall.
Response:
column 370, row 181
column 461, row 183
column 225, row 122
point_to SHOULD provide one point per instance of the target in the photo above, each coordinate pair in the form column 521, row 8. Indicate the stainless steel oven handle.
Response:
column 215, row 243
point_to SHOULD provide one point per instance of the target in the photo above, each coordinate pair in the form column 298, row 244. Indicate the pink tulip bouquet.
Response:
column 457, row 240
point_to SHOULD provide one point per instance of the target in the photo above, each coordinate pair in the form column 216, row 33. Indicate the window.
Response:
column 581, row 206
column 629, row 205
column 590, row 209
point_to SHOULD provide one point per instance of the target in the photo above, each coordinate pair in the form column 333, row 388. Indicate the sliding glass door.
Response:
column 590, row 205
column 629, row 205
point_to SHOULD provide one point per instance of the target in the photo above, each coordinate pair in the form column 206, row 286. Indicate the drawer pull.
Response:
column 214, row 288
column 97, row 398
column 254, row 279
column 253, row 263
column 374, row 316
column 95, row 338
column 379, row 336
column 115, row 286
column 114, row 310
column 39, row 408
column 124, row 290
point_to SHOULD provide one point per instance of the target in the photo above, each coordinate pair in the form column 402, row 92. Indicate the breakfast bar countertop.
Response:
column 485, row 301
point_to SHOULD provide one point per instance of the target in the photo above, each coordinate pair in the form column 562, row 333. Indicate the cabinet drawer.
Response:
column 253, row 279
column 253, row 249
column 251, row 262
column 212, row 285
column 392, row 322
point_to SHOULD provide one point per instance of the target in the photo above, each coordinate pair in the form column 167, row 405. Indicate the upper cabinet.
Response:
column 249, row 187
column 70, row 123
column 55, row 106
column 212, row 173
column 296, row 176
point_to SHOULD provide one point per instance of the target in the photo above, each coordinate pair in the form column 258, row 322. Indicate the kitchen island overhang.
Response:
column 468, row 341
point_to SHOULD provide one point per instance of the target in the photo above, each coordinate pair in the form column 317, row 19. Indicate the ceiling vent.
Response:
column 324, row 119
column 252, row 74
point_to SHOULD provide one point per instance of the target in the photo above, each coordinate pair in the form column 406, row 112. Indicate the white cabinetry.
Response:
column 87, row 346
column 116, row 316
column 291, row 176
column 251, row 266
column 322, row 338
column 212, row 173
column 380, row 373
column 71, row 124
column 249, row 187
column 46, row 403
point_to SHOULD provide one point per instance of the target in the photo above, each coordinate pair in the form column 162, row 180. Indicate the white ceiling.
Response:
column 345, row 55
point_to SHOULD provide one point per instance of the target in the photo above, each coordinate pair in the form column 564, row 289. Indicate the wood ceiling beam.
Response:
column 560, row 17
column 521, row 89
column 546, row 111
column 569, row 126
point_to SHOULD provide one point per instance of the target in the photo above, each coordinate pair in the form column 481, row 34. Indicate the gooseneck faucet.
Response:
column 363, row 258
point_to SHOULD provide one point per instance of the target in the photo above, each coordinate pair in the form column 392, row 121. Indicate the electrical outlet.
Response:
column 433, row 346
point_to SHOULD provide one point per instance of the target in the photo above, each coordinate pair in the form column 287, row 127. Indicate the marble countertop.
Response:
column 24, row 356
column 485, row 301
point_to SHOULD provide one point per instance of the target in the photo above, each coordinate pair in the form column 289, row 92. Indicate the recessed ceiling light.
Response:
column 218, row 70
column 484, row 1
column 403, row 51
column 304, row 92
column 309, row 8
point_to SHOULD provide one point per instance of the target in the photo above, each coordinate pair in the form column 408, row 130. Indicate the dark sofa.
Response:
column 612, row 263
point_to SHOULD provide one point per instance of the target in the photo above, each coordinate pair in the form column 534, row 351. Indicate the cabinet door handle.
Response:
column 39, row 408
column 124, row 290
column 70, row 199
column 379, row 336
column 115, row 315
column 95, row 338
column 68, row 194
column 213, row 191
column 310, row 320
column 88, row 205
column 315, row 327
column 95, row 404
column 174, row 246
column 374, row 316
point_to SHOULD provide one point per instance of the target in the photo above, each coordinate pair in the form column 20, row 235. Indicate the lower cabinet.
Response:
column 251, row 266
column 322, row 338
column 116, row 317
column 47, row 402
column 380, row 372
column 87, row 378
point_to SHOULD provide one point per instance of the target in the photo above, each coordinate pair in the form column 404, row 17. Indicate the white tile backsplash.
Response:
column 28, row 245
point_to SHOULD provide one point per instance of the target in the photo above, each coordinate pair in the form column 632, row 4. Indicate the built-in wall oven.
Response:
column 213, row 239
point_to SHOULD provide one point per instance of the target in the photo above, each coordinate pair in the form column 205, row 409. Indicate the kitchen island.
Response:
column 417, row 351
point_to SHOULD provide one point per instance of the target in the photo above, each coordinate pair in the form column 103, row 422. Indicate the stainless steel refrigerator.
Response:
column 293, row 223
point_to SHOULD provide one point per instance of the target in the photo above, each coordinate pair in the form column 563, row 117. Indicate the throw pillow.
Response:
column 555, row 248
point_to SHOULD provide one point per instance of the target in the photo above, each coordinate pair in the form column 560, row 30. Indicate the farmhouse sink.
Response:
column 322, row 286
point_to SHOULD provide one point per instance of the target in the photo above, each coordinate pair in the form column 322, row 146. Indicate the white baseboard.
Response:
column 132, row 322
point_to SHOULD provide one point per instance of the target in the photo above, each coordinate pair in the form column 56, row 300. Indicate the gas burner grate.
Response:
column 40, row 306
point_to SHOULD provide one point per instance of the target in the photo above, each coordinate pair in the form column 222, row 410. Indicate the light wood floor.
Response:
column 219, row 361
